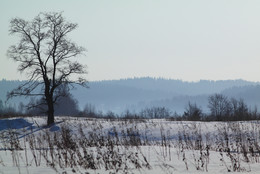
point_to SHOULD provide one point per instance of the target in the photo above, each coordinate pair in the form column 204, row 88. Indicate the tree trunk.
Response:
column 50, row 103
column 50, row 112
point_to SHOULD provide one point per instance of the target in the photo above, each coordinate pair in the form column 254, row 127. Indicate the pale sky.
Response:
column 177, row 39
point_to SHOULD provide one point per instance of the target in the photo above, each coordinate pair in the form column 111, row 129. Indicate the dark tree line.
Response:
column 221, row 108
column 224, row 109
column 65, row 106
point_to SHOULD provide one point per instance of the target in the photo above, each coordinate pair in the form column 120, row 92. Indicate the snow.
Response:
column 168, row 146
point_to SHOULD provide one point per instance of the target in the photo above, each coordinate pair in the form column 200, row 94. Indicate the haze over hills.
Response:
column 138, row 93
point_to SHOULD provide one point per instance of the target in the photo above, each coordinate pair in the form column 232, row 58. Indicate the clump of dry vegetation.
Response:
column 123, row 145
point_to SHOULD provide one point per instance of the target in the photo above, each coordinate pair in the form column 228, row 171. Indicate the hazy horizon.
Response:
column 139, row 93
column 149, row 77
column 188, row 40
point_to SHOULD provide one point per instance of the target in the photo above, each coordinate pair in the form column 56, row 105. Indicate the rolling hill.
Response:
column 138, row 93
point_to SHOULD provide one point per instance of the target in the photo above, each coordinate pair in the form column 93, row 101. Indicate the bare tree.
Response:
column 90, row 110
column 219, row 106
column 46, row 54
column 240, row 109
column 192, row 112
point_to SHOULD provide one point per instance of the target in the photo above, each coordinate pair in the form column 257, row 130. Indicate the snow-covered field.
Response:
column 80, row 145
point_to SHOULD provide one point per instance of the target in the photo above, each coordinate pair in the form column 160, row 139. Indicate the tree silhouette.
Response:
column 46, row 54
column 192, row 112
column 219, row 106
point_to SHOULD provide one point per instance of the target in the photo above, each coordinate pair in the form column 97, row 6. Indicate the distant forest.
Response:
column 136, row 94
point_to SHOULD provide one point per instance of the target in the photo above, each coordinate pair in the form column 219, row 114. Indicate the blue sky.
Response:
column 184, row 39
